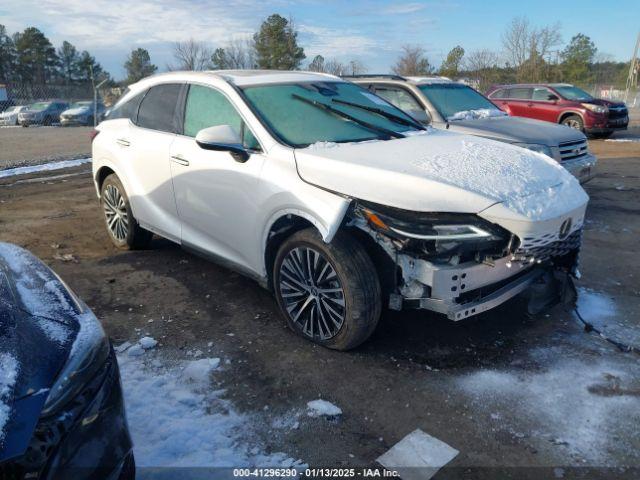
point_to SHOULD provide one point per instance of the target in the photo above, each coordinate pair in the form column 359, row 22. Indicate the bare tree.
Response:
column 334, row 67
column 484, row 67
column 412, row 62
column 356, row 67
column 528, row 49
column 191, row 55
column 238, row 54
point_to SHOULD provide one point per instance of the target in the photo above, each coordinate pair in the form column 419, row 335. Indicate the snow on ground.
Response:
column 177, row 419
column 632, row 139
column 8, row 376
column 45, row 167
column 582, row 406
column 479, row 113
column 319, row 408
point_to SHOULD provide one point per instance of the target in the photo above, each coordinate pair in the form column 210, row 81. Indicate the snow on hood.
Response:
column 41, row 293
column 479, row 113
column 8, row 376
column 441, row 171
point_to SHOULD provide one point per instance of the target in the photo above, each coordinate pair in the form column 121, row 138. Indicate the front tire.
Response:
column 573, row 121
column 123, row 228
column 329, row 293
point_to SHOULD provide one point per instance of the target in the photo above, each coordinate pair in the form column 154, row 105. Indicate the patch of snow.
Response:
column 180, row 423
column 45, row 167
column 8, row 376
column 585, row 406
column 319, row 408
column 135, row 351
column 199, row 371
column 418, row 456
column 595, row 306
column 479, row 113
column 519, row 177
column 147, row 342
column 622, row 140
column 122, row 347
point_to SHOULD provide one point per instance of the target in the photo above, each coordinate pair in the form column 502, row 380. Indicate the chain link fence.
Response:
column 24, row 93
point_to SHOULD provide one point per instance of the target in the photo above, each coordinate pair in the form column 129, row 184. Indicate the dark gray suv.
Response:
column 445, row 104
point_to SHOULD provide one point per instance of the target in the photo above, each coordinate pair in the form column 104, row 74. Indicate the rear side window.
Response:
column 207, row 107
column 541, row 94
column 128, row 109
column 158, row 108
column 520, row 93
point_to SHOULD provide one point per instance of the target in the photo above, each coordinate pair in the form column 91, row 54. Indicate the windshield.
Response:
column 81, row 105
column 572, row 93
column 39, row 106
column 450, row 99
column 304, row 113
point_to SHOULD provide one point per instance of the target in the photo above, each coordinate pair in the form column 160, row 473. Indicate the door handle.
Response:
column 124, row 142
column 179, row 159
column 529, row 104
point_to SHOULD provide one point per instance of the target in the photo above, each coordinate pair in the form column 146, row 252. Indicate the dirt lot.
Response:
column 516, row 395
column 33, row 145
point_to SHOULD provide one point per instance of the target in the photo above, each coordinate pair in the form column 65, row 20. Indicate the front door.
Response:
column 217, row 196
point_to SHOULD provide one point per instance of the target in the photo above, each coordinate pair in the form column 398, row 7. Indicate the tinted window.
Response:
column 452, row 98
column 519, row 93
column 128, row 109
column 207, row 107
column 500, row 93
column 398, row 97
column 158, row 108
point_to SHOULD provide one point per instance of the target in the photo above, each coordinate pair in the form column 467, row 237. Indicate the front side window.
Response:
column 451, row 98
column 573, row 93
column 207, row 107
column 541, row 94
column 304, row 113
column 158, row 108
column 398, row 97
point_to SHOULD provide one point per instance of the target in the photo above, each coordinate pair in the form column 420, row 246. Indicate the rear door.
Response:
column 149, row 172
column 519, row 99
column 217, row 196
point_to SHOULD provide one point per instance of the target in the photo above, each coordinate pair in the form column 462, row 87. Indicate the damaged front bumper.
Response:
column 462, row 290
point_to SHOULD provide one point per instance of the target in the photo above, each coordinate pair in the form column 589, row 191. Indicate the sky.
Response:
column 372, row 32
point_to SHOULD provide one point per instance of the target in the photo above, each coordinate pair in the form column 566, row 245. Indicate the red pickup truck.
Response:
column 562, row 103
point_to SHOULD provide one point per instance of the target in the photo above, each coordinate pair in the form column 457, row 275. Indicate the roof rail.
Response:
column 376, row 75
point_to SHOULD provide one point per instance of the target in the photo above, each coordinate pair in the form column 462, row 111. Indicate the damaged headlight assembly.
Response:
column 434, row 233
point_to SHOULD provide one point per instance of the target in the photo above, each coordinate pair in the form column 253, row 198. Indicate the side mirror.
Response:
column 552, row 98
column 222, row 138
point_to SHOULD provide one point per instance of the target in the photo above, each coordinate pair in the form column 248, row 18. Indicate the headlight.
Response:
column 89, row 352
column 595, row 108
column 431, row 227
column 536, row 148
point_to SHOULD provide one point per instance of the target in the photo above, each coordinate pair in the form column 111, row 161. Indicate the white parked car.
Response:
column 334, row 199
column 10, row 115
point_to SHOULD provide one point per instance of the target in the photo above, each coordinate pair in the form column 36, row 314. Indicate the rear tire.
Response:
column 123, row 228
column 573, row 121
column 329, row 293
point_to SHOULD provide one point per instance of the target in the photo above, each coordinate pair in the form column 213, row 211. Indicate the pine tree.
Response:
column 276, row 45
column 138, row 65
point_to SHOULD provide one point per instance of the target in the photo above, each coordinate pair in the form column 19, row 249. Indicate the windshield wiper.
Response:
column 383, row 113
column 340, row 113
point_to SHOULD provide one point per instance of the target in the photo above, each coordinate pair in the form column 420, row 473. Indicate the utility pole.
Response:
column 634, row 66
column 95, row 96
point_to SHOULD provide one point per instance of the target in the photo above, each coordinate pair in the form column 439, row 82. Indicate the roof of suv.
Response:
column 408, row 79
column 249, row 77
column 525, row 85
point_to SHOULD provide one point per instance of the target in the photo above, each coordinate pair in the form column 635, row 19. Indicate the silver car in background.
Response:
column 445, row 104
column 10, row 116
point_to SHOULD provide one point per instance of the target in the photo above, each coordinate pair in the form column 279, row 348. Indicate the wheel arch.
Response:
column 102, row 173
column 568, row 113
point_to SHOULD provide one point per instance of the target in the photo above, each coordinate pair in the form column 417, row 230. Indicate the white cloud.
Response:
column 404, row 8
column 333, row 42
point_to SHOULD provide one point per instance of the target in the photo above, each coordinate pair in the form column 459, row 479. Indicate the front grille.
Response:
column 617, row 112
column 558, row 248
column 571, row 150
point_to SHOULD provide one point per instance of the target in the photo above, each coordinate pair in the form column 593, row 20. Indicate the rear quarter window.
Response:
column 158, row 108
column 127, row 109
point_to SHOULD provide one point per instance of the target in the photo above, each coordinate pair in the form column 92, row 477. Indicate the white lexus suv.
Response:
column 334, row 199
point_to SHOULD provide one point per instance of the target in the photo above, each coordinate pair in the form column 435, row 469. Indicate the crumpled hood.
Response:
column 440, row 171
column 518, row 130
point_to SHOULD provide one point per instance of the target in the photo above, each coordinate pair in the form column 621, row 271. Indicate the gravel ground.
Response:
column 33, row 145
column 519, row 398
